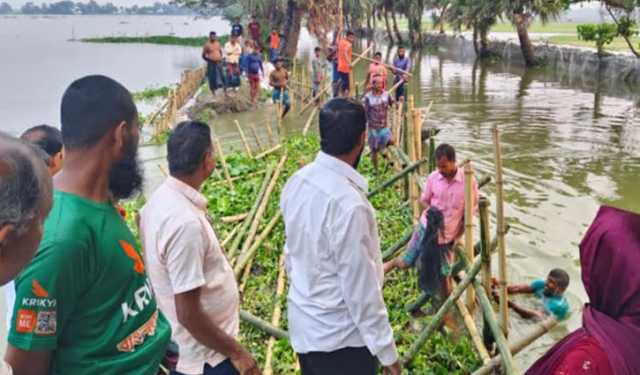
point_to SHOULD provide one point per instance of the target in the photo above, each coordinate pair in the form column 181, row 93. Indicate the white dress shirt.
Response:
column 182, row 253
column 334, row 262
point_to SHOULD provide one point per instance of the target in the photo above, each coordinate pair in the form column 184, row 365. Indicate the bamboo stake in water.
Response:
column 277, row 313
column 294, row 74
column 502, row 251
column 473, row 330
column 484, row 240
column 244, row 139
column 310, row 121
column 503, row 346
column 468, row 225
column 437, row 318
column 225, row 168
column 516, row 347
column 257, row 138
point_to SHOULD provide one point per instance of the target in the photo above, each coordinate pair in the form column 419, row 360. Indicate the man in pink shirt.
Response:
column 441, row 225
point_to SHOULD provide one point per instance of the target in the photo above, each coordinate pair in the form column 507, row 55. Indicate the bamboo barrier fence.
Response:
column 178, row 97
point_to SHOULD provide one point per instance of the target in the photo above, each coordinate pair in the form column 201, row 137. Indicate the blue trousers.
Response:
column 224, row 368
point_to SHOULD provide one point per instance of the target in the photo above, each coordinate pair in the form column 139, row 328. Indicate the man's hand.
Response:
column 245, row 364
column 394, row 369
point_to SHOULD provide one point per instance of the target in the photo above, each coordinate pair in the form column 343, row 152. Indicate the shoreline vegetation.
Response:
column 168, row 40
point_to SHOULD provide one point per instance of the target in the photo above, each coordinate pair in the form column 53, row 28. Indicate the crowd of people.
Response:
column 89, row 298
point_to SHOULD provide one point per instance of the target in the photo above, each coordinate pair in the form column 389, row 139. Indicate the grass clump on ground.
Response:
column 441, row 354
column 151, row 93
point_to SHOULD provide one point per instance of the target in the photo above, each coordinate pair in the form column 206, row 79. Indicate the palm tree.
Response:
column 522, row 12
column 478, row 15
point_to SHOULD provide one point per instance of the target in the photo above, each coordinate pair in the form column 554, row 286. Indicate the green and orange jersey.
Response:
column 86, row 297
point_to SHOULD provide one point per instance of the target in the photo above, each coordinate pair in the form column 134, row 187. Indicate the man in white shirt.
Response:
column 192, row 279
column 232, row 53
column 338, row 322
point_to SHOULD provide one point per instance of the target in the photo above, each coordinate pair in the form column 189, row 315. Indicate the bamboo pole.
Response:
column 230, row 236
column 277, row 313
column 437, row 318
column 263, row 326
column 501, row 341
column 393, row 249
column 269, row 151
column 225, row 168
column 417, row 132
column 516, row 347
column 502, row 252
column 395, row 87
column 244, row 139
column 261, row 209
column 281, row 109
column 362, row 55
column 383, row 64
column 314, row 99
column 309, row 121
column 395, row 178
column 234, row 218
column 247, row 223
column 254, row 131
column 294, row 74
column 473, row 330
column 247, row 257
column 268, row 124
column 245, row 275
column 484, row 240
column 468, row 225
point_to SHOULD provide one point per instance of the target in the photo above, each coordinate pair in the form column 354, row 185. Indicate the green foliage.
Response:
column 627, row 27
column 602, row 34
column 157, row 39
column 441, row 354
column 152, row 93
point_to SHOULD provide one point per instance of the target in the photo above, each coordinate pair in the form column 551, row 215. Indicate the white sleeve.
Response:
column 360, row 283
column 184, row 256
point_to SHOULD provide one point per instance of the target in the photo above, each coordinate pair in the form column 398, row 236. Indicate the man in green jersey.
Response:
column 84, row 305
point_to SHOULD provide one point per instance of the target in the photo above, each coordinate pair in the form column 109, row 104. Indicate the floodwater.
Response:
column 569, row 145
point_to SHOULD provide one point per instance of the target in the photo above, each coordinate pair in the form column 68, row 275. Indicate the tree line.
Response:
column 322, row 17
column 67, row 7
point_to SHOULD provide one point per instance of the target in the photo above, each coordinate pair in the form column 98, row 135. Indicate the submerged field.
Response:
column 441, row 355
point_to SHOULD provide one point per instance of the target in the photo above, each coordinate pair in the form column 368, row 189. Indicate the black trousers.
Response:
column 347, row 361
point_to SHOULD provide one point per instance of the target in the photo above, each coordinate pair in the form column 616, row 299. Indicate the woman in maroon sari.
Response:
column 609, row 340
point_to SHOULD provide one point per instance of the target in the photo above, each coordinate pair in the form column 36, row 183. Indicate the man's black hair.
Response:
column 213, row 33
column 378, row 54
column 401, row 47
column 349, row 33
column 446, row 151
column 91, row 107
column 317, row 49
column 342, row 122
column 46, row 137
column 561, row 277
column 188, row 143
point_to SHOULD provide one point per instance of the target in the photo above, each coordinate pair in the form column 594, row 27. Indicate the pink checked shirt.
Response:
column 448, row 197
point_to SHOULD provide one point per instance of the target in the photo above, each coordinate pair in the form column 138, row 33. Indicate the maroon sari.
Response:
column 610, row 259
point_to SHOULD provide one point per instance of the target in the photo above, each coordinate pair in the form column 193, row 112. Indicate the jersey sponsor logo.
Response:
column 130, row 251
column 46, row 323
column 25, row 321
column 38, row 290
column 45, row 303
column 142, row 297
column 137, row 338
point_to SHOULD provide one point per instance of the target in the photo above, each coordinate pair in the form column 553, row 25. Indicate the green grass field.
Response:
column 618, row 44
column 507, row 27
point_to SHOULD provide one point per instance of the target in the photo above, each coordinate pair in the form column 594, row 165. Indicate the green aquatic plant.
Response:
column 441, row 354
column 156, row 39
column 152, row 93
